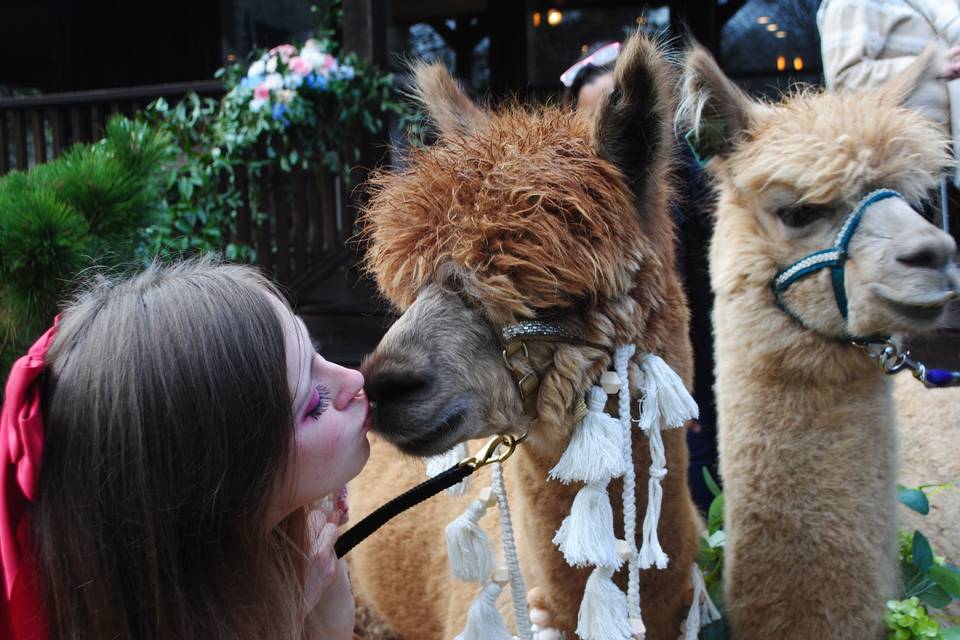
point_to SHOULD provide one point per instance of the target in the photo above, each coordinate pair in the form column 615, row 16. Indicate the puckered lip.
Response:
column 923, row 307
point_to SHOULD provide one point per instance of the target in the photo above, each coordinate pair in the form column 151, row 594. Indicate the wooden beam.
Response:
column 365, row 29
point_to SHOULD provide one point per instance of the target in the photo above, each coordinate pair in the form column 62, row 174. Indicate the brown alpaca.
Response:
column 808, row 442
column 512, row 215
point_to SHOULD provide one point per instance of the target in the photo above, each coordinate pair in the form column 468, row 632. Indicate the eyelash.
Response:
column 323, row 401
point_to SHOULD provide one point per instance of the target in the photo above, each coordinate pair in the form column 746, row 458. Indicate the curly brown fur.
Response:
column 529, row 211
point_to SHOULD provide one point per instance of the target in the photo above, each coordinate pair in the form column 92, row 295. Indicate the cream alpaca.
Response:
column 511, row 215
column 808, row 443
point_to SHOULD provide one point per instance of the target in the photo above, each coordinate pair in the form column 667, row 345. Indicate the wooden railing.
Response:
column 35, row 129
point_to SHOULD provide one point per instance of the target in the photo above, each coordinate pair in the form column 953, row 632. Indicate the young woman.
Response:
column 187, row 427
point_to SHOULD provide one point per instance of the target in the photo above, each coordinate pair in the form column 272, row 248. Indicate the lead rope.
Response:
column 517, row 589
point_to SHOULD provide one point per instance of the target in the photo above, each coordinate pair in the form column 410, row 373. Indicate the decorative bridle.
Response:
column 889, row 356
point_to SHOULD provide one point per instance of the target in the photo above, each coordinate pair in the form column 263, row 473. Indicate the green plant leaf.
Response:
column 715, row 514
column 935, row 597
column 950, row 633
column 922, row 553
column 710, row 482
column 914, row 499
column 948, row 577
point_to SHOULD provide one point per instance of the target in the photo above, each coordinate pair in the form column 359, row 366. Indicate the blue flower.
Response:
column 251, row 82
column 346, row 72
column 279, row 112
column 316, row 81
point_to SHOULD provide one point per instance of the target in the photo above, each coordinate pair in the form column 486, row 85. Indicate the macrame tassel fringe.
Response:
column 702, row 610
column 603, row 611
column 484, row 622
column 651, row 552
column 595, row 452
column 621, row 361
column 586, row 535
column 665, row 398
column 440, row 463
column 665, row 403
column 468, row 548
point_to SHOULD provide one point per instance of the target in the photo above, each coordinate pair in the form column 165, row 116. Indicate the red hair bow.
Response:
column 21, row 447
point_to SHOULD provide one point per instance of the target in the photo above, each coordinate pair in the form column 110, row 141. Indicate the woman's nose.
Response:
column 349, row 384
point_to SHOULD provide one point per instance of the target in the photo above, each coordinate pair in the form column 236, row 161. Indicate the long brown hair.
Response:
column 168, row 434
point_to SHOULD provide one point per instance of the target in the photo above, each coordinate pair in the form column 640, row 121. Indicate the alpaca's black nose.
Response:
column 391, row 387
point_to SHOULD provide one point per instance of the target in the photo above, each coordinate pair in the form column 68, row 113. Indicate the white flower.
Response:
column 274, row 81
column 272, row 64
column 256, row 69
column 285, row 95
column 256, row 104
column 292, row 80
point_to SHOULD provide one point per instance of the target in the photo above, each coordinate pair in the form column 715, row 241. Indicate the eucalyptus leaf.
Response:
column 935, row 597
column 914, row 499
column 948, row 577
column 922, row 553
column 950, row 633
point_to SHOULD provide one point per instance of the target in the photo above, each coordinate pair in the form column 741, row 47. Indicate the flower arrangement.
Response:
column 279, row 78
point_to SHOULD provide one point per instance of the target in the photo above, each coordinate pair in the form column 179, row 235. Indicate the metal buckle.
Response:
column 488, row 453
column 506, row 356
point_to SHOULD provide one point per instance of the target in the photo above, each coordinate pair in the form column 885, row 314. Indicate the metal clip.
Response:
column 490, row 453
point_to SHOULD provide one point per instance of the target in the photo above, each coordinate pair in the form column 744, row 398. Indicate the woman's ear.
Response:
column 445, row 102
column 713, row 111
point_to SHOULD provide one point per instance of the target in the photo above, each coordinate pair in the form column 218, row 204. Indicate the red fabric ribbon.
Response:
column 21, row 447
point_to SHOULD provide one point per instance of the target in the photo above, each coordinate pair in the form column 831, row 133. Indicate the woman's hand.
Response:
column 950, row 64
column 329, row 598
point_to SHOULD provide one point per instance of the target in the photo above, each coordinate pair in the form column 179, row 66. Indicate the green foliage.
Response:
column 318, row 120
column 84, row 208
column 907, row 619
column 928, row 581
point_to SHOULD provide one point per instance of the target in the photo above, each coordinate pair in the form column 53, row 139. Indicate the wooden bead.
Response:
column 537, row 598
column 487, row 498
column 501, row 575
column 637, row 629
column 548, row 634
column 540, row 617
column 623, row 550
column 610, row 382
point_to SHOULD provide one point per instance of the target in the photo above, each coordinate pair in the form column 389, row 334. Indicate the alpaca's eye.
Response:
column 801, row 215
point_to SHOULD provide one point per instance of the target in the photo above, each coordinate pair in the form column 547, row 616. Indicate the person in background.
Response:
column 587, row 83
column 866, row 43
column 164, row 448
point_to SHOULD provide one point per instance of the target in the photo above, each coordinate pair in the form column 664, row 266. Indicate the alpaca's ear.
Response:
column 901, row 87
column 633, row 126
column 445, row 102
column 714, row 113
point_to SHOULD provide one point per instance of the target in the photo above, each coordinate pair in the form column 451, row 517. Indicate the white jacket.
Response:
column 865, row 43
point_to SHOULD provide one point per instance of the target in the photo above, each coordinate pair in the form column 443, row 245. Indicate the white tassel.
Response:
column 650, row 551
column 484, row 622
column 702, row 610
column 665, row 398
column 471, row 558
column 586, row 535
column 440, row 463
column 603, row 611
column 595, row 452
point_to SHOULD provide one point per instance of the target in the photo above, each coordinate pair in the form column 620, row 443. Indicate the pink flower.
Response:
column 329, row 61
column 285, row 51
column 261, row 92
column 299, row 66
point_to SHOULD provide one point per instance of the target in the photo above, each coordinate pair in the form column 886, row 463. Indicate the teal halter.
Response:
column 834, row 258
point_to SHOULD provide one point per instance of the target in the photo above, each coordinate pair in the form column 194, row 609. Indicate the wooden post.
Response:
column 39, row 136
column 4, row 144
column 55, row 116
column 365, row 29
column 20, row 139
